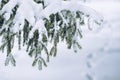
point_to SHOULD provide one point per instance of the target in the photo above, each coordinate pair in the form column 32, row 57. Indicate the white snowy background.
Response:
column 99, row 57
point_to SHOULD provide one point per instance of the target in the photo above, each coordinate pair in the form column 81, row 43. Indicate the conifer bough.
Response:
column 36, row 23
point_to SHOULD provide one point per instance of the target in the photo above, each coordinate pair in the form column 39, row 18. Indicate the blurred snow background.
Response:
column 99, row 58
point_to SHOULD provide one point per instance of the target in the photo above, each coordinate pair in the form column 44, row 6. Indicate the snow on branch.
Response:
column 37, row 23
column 73, row 7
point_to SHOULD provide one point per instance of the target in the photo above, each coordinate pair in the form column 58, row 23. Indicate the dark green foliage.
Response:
column 53, row 51
column 19, row 39
column 40, row 61
column 80, row 33
column 3, row 2
column 8, row 35
column 55, row 32
column 44, row 38
column 11, row 59
column 40, row 2
column 26, row 30
column 1, row 21
column 34, row 62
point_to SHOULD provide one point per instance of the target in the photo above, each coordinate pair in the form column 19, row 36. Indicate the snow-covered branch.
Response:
column 35, row 23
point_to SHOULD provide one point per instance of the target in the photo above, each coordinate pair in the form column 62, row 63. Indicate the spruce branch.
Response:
column 38, row 29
